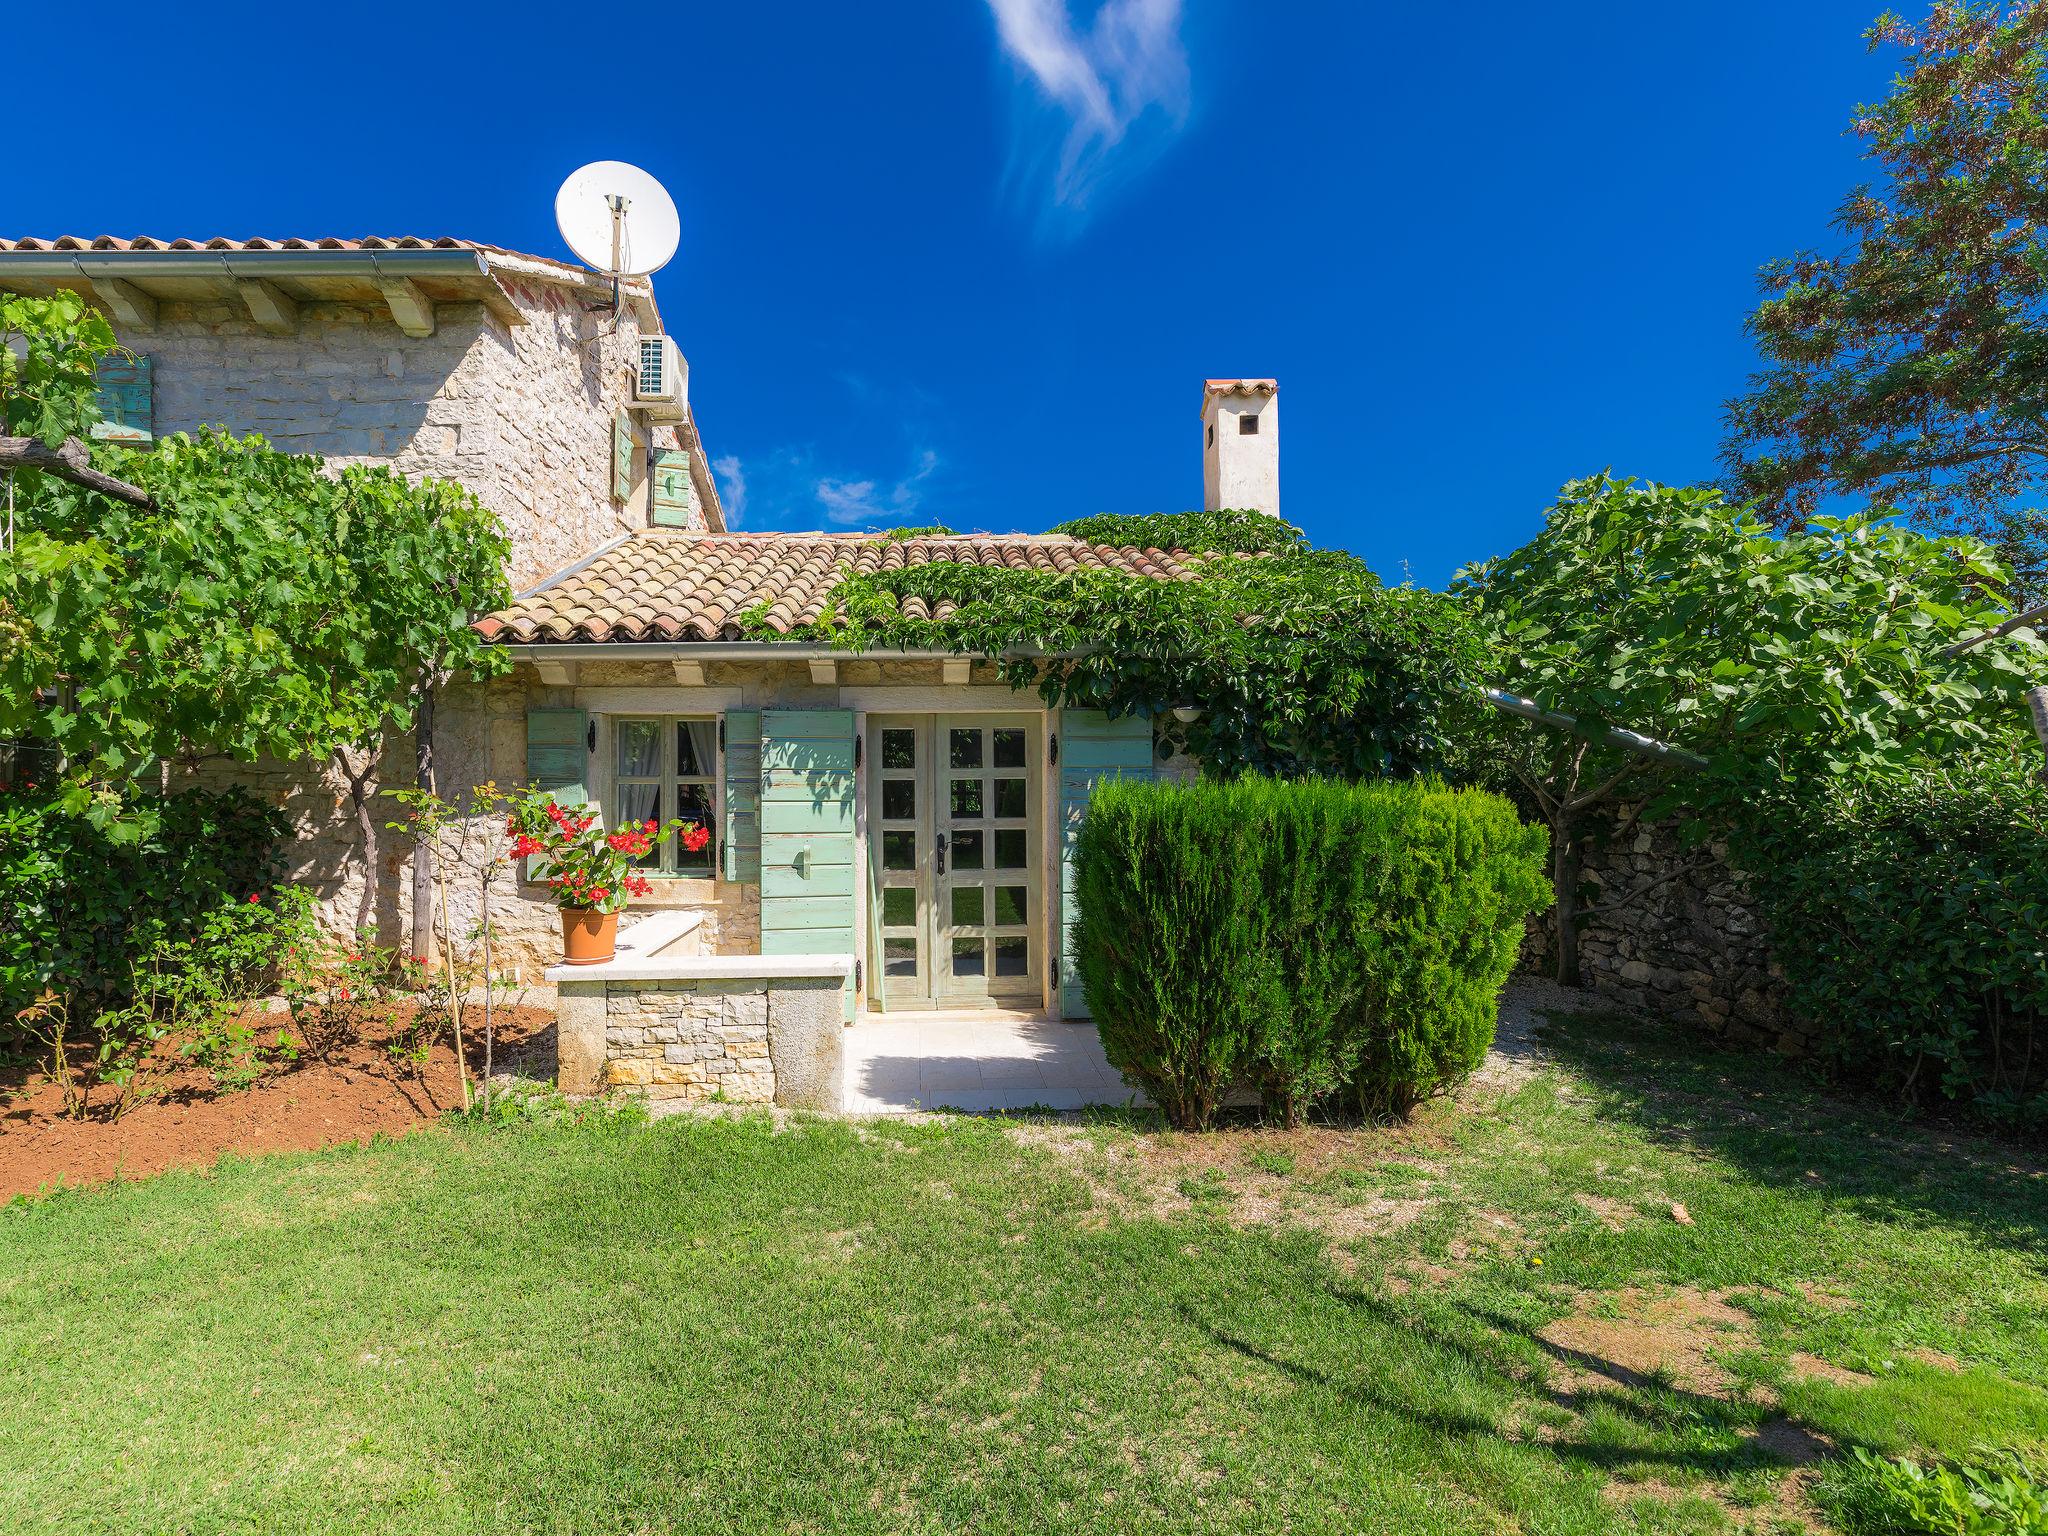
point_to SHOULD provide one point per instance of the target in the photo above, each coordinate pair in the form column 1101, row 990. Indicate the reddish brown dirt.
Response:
column 360, row 1091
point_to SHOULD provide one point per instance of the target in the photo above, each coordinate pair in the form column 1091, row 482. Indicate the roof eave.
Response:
column 277, row 263
column 732, row 650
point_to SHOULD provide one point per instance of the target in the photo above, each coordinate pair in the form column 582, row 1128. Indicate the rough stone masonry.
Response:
column 1675, row 931
column 690, row 1039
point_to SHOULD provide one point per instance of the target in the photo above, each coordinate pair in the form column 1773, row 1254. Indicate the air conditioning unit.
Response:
column 661, row 387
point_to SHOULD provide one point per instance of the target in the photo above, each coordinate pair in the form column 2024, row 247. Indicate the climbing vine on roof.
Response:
column 1296, row 661
column 1226, row 532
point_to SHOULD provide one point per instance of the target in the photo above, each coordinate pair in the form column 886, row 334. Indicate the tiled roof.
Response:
column 117, row 244
column 658, row 585
column 1240, row 386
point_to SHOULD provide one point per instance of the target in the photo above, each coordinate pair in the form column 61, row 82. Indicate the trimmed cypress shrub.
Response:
column 1313, row 939
column 1171, row 944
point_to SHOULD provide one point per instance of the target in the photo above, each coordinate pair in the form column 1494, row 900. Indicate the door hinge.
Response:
column 721, row 733
column 1052, row 748
column 856, row 751
column 590, row 738
column 856, row 975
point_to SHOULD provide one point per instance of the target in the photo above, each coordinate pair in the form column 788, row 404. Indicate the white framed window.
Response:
column 663, row 767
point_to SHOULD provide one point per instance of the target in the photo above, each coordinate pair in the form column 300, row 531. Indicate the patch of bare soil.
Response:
column 1614, row 1215
column 1249, row 1178
column 1807, row 1367
column 1632, row 1337
column 361, row 1090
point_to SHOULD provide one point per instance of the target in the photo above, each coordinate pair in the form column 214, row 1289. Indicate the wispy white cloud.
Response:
column 1097, row 105
column 732, row 487
column 849, row 502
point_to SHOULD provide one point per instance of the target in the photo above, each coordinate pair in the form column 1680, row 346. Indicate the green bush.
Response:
column 1908, row 919
column 1997, row 1492
column 78, row 912
column 1313, row 939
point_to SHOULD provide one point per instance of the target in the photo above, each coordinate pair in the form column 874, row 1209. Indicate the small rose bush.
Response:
column 587, row 867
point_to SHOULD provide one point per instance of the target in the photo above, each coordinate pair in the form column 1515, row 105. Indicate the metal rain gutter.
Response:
column 61, row 264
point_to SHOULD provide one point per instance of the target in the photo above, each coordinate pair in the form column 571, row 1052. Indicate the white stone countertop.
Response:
column 625, row 967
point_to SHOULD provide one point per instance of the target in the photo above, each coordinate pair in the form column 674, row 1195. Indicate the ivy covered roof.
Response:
column 664, row 585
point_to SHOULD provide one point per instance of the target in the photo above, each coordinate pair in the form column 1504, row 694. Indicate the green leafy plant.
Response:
column 1322, row 942
column 189, row 1001
column 1905, row 368
column 79, row 909
column 257, row 604
column 1906, row 916
column 1289, row 663
column 1226, row 532
column 1775, row 661
column 1997, row 1492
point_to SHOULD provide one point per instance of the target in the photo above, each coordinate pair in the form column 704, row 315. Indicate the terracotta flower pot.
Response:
column 588, row 938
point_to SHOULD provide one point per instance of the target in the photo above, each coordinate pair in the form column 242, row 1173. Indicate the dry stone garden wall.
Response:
column 1691, row 946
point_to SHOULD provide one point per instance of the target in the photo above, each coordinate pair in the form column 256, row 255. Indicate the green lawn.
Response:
column 714, row 1324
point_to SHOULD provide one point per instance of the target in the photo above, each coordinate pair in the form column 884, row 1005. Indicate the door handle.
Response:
column 939, row 848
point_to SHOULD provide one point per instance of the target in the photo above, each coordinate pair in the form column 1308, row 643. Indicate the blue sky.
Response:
column 967, row 261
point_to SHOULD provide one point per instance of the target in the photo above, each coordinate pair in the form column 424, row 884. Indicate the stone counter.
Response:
column 743, row 1029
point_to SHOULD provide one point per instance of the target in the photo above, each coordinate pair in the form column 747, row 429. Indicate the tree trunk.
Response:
column 358, row 787
column 1564, row 889
column 422, row 849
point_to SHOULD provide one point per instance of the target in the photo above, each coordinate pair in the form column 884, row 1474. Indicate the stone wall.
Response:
column 1692, row 946
column 520, row 414
column 698, row 1028
column 691, row 1040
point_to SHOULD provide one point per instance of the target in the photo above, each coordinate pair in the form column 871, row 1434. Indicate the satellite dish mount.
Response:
column 618, row 219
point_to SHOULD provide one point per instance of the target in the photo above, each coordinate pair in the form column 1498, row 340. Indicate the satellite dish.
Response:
column 618, row 218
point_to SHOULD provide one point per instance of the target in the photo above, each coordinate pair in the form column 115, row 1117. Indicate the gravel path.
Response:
column 1517, row 1056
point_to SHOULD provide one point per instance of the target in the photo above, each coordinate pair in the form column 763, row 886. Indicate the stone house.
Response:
column 509, row 373
column 889, row 832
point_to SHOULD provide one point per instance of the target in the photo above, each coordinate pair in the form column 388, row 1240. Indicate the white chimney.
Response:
column 1241, row 445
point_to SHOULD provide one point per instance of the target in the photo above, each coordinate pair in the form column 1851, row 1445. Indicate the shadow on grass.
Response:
column 1771, row 1118
column 1718, row 1428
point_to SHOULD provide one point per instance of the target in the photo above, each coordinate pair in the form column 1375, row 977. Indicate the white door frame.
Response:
column 934, row 709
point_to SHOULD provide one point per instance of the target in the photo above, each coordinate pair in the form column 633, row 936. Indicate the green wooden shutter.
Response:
column 557, row 755
column 1093, row 747
column 669, row 497
column 622, row 456
column 807, row 833
column 125, row 399
column 742, row 851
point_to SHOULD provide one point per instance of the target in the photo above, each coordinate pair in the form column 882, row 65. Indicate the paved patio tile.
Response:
column 907, row 1062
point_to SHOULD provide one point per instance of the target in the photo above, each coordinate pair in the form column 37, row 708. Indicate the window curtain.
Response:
column 696, row 749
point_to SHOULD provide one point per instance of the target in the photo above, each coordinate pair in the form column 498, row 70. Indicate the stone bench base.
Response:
column 745, row 1029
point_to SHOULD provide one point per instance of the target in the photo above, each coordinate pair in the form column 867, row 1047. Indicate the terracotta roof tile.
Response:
column 658, row 585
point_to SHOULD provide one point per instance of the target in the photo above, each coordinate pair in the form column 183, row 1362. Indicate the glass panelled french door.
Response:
column 955, row 847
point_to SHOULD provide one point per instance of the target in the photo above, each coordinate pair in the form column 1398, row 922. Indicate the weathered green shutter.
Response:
column 622, row 456
column 125, row 399
column 807, row 833
column 669, row 496
column 1093, row 747
column 557, row 754
column 742, row 852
